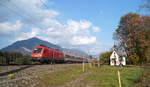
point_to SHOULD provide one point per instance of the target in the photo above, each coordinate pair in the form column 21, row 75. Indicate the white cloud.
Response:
column 33, row 33
column 82, row 24
column 75, row 27
column 67, row 31
column 96, row 29
column 29, row 11
column 8, row 27
column 79, row 40
column 70, row 34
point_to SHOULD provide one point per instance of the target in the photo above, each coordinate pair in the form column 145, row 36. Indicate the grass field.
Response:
column 104, row 76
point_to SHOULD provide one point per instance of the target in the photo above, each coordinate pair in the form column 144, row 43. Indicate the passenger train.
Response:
column 45, row 54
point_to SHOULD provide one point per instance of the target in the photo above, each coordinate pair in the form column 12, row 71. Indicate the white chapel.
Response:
column 116, row 59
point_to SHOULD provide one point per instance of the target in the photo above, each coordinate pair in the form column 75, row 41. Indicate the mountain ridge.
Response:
column 25, row 46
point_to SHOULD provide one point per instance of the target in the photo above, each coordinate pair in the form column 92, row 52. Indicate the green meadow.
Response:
column 103, row 76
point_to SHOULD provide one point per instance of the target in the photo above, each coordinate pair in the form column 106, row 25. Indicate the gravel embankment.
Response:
column 24, row 76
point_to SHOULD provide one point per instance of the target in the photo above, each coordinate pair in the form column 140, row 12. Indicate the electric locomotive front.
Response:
column 46, row 54
column 37, row 53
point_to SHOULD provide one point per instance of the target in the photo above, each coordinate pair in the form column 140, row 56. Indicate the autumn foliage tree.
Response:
column 133, row 35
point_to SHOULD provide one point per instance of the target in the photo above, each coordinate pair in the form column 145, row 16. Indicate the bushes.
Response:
column 105, row 57
column 133, row 59
column 22, row 60
column 7, row 58
column 2, row 60
column 11, row 76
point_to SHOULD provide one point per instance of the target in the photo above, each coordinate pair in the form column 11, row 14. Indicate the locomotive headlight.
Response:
column 40, row 54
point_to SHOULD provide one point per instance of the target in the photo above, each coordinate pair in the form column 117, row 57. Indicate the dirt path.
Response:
column 78, row 81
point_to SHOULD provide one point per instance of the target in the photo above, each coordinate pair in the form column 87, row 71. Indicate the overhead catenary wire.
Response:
column 12, row 10
column 26, row 14
column 44, row 4
column 23, row 16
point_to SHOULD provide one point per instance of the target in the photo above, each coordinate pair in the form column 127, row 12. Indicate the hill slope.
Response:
column 25, row 46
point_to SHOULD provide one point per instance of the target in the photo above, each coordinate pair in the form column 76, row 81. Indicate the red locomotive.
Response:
column 45, row 54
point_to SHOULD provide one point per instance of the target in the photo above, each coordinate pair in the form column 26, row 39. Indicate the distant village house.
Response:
column 117, row 59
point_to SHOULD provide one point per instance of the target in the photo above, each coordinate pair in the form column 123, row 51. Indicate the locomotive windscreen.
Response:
column 37, row 50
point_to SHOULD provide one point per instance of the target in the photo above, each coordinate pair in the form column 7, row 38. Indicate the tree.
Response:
column 105, row 57
column 2, row 60
column 7, row 58
column 133, row 36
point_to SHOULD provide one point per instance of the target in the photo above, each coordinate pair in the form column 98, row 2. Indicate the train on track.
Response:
column 45, row 54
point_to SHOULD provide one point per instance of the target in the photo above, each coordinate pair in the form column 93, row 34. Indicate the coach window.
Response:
column 68, row 56
column 73, row 57
column 45, row 51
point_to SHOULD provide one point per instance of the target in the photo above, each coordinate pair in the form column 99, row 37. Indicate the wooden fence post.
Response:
column 119, row 78
column 83, row 67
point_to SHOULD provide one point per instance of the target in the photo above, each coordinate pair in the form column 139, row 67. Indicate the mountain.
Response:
column 76, row 51
column 25, row 46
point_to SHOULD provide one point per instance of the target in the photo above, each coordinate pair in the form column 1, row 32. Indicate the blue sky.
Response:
column 83, row 24
column 103, row 13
